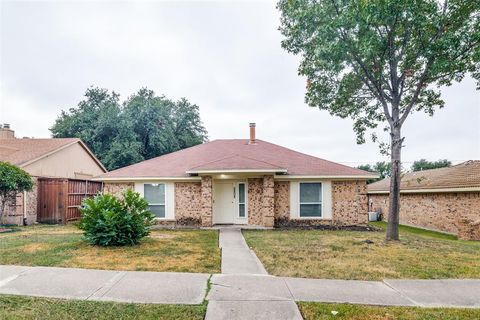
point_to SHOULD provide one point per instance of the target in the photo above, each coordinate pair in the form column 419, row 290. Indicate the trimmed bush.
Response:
column 110, row 221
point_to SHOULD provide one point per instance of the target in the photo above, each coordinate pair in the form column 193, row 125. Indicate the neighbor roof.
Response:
column 234, row 155
column 461, row 176
column 21, row 152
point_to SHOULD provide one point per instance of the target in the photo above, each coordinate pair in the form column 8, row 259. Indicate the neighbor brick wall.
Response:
column 468, row 229
column 255, row 193
column 438, row 211
column 188, row 202
column 349, row 202
column 116, row 189
column 282, row 199
column 14, row 211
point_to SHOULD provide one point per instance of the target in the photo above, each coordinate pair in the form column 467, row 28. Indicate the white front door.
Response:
column 223, row 205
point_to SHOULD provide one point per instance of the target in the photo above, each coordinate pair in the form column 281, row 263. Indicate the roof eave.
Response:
column 220, row 171
column 431, row 190
column 132, row 179
column 353, row 177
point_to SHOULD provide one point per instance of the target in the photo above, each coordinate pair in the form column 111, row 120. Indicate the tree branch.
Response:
column 380, row 93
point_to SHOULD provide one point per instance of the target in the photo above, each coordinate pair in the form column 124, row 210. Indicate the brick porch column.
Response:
column 206, row 201
column 268, row 201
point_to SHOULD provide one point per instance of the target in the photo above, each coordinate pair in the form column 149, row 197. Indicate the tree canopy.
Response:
column 377, row 61
column 12, row 181
column 424, row 164
column 142, row 127
column 381, row 167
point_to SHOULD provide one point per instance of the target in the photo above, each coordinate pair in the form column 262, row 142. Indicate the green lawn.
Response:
column 346, row 254
column 17, row 307
column 63, row 246
column 320, row 311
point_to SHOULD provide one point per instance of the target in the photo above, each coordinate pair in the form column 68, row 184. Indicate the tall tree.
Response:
column 378, row 61
column 142, row 127
column 424, row 164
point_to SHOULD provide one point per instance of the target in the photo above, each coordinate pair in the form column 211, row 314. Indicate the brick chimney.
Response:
column 252, row 133
column 6, row 132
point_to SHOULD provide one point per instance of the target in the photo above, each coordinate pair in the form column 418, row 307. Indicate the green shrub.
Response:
column 109, row 221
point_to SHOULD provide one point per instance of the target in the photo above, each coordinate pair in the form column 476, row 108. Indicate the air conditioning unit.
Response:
column 373, row 216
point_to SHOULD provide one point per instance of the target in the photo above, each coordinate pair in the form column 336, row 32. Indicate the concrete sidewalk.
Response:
column 269, row 297
column 233, row 296
column 104, row 285
column 422, row 293
column 237, row 257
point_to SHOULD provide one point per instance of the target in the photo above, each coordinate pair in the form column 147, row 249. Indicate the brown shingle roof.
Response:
column 463, row 175
column 21, row 151
column 234, row 154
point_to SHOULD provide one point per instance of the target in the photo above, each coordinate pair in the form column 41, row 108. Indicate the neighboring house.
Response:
column 445, row 199
column 67, row 158
column 245, row 181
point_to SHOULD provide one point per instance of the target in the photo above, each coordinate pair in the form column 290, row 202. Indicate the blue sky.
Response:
column 223, row 56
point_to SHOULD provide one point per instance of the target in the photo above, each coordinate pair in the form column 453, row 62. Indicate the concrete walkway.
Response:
column 237, row 257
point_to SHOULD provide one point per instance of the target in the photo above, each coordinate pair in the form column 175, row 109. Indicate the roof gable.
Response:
column 236, row 162
column 22, row 152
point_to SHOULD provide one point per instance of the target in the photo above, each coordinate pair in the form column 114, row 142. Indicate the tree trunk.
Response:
column 2, row 208
column 394, row 200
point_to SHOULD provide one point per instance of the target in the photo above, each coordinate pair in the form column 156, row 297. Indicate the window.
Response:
column 311, row 199
column 155, row 195
column 241, row 200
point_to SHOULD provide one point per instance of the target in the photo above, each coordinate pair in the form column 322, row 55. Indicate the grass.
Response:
column 63, row 246
column 18, row 307
column 420, row 254
column 319, row 311
column 418, row 231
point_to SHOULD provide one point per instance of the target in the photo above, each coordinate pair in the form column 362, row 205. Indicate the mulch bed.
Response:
column 4, row 230
column 329, row 227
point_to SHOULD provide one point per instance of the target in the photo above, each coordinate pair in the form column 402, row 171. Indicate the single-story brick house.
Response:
column 44, row 159
column 245, row 181
column 445, row 199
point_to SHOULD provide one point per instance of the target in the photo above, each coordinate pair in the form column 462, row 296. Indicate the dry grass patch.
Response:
column 348, row 255
column 34, row 247
column 318, row 311
column 63, row 246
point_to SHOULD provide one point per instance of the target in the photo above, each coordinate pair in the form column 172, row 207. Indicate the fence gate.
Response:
column 59, row 199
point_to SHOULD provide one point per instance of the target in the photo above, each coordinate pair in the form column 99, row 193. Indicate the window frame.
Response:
column 158, row 204
column 318, row 203
column 244, row 200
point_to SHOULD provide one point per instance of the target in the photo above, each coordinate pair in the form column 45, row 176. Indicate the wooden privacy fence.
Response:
column 59, row 200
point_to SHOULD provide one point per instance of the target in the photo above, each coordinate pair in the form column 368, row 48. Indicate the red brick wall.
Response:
column 438, row 211
column 206, row 201
column 116, row 189
column 349, row 202
column 268, row 201
column 188, row 204
column 255, row 193
column 282, row 199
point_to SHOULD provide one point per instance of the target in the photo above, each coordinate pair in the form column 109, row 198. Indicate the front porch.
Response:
column 237, row 200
